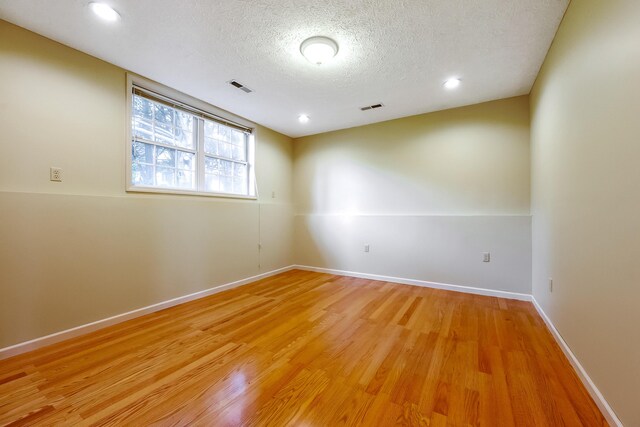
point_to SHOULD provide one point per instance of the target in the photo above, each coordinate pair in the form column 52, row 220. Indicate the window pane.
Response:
column 217, row 131
column 239, row 152
column 224, row 141
column 240, row 171
column 224, row 150
column 142, row 108
column 239, row 186
column 186, row 179
column 220, row 176
column 184, row 138
column 142, row 129
column 164, row 117
column 184, row 121
column 165, row 177
column 142, row 174
column 212, row 165
column 224, row 133
column 164, row 136
column 212, row 183
column 210, row 128
column 165, row 156
column 226, row 184
column 237, row 137
column 239, row 178
column 142, row 153
column 157, row 122
column 210, row 146
column 227, row 167
column 184, row 130
column 186, row 160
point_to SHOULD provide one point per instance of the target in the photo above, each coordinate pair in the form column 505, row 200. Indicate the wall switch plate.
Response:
column 55, row 174
column 366, row 248
column 486, row 257
column 550, row 284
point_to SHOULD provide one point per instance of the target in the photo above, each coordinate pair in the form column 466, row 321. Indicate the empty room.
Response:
column 298, row 213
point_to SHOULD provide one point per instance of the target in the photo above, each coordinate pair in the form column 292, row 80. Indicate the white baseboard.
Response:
column 602, row 403
column 423, row 283
column 99, row 324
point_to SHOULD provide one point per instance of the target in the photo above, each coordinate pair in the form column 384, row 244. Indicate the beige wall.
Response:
column 465, row 161
column 428, row 193
column 586, row 200
column 84, row 249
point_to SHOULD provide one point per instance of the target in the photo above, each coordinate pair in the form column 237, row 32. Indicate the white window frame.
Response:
column 141, row 82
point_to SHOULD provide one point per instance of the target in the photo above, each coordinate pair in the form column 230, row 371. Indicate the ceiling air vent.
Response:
column 240, row 86
column 372, row 107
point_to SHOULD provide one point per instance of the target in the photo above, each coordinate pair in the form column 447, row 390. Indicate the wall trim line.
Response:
column 422, row 283
column 595, row 394
column 64, row 335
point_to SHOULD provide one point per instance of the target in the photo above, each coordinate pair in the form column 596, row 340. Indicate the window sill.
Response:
column 176, row 192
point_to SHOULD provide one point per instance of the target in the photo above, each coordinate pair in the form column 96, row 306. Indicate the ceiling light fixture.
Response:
column 104, row 11
column 303, row 118
column 452, row 83
column 319, row 50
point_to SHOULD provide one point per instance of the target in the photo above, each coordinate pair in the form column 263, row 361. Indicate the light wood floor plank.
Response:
column 305, row 348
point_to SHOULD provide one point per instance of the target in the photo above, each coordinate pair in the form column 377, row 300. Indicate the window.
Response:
column 178, row 148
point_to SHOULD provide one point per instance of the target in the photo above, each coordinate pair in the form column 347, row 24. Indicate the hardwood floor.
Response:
column 307, row 349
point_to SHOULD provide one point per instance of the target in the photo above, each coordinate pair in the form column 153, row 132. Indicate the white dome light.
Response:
column 104, row 11
column 452, row 83
column 319, row 50
column 303, row 118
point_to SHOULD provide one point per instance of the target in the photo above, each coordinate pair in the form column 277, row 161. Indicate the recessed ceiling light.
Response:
column 452, row 83
column 303, row 118
column 104, row 11
column 319, row 50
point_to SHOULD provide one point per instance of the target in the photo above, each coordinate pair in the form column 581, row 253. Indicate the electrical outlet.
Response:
column 55, row 174
column 366, row 248
column 273, row 194
column 550, row 284
column 486, row 257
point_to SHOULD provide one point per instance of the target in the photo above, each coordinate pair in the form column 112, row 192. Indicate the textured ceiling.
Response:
column 397, row 52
